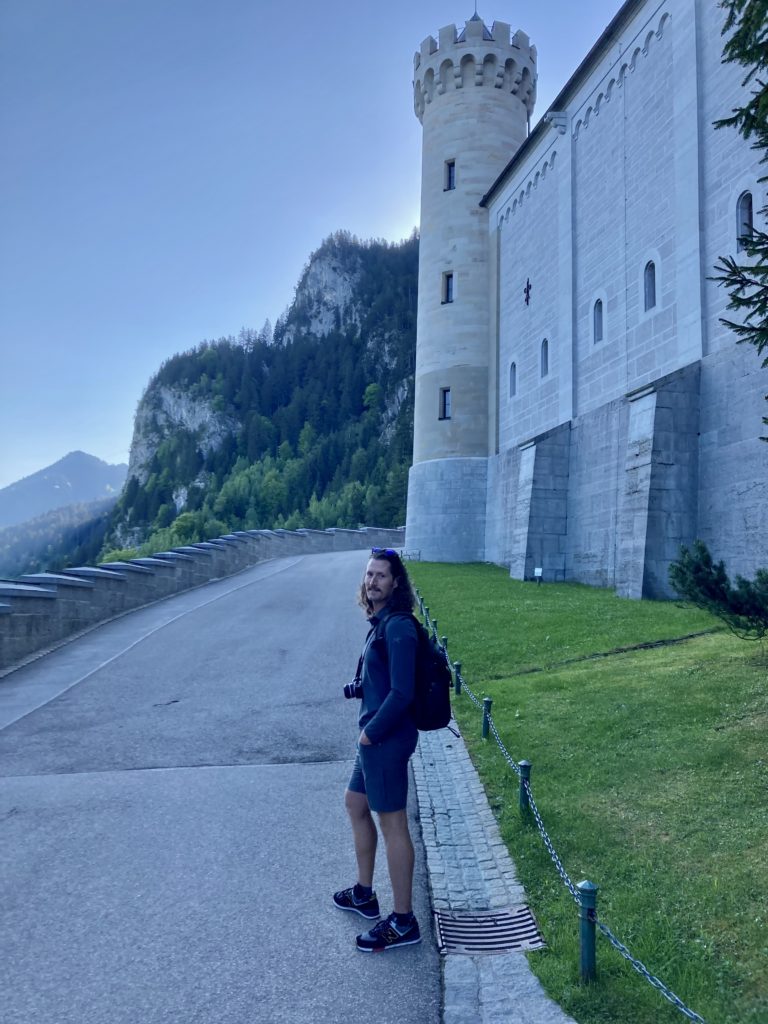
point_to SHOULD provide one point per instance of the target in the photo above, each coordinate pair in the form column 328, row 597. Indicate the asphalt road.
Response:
column 171, row 817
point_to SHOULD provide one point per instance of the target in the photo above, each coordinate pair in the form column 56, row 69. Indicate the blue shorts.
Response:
column 381, row 771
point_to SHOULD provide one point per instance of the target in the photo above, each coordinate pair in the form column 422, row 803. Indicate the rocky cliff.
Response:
column 309, row 427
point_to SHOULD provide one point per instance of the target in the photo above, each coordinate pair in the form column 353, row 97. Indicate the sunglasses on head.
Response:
column 383, row 551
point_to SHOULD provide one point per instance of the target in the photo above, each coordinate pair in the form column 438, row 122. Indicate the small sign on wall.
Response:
column 537, row 574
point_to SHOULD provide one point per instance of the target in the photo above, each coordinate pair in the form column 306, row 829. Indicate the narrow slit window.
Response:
column 447, row 287
column 449, row 181
column 744, row 220
column 649, row 285
column 512, row 380
column 597, row 321
column 544, row 358
column 445, row 403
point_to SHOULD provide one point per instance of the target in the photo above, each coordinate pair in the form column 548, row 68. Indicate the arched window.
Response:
column 744, row 222
column 649, row 285
column 512, row 380
column 544, row 358
column 597, row 321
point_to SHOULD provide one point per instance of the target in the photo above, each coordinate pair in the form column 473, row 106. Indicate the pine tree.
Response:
column 699, row 579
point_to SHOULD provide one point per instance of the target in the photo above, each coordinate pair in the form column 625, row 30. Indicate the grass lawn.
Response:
column 650, row 770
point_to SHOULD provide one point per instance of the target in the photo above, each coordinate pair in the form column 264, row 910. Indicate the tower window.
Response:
column 544, row 358
column 512, row 380
column 445, row 404
column 597, row 321
column 744, row 221
column 447, row 287
column 649, row 285
column 449, row 178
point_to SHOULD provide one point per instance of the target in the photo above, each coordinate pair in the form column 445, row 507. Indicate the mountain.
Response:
column 76, row 479
column 307, row 425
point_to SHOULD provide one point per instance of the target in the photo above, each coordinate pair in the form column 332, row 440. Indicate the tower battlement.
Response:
column 475, row 56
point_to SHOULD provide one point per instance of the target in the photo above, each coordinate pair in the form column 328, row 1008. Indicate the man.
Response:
column 388, row 737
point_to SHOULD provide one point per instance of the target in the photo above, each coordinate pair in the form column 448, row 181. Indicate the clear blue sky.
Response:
column 168, row 166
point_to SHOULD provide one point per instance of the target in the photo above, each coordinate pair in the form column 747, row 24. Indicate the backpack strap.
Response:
column 368, row 641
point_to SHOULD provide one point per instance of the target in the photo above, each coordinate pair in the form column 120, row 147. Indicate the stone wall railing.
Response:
column 42, row 610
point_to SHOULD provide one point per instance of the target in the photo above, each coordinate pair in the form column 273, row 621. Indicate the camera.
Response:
column 353, row 689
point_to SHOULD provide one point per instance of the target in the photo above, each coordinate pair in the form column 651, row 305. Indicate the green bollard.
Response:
column 587, row 916
column 525, row 776
column 457, row 677
column 487, row 703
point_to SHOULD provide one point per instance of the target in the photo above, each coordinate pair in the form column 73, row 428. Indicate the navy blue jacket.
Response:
column 388, row 675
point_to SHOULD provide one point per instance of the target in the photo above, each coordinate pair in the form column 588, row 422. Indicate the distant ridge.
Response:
column 76, row 479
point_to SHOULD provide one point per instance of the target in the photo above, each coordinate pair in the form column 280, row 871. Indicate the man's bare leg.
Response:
column 400, row 858
column 365, row 835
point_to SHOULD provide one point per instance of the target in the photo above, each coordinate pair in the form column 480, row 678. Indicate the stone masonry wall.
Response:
column 598, row 441
column 42, row 610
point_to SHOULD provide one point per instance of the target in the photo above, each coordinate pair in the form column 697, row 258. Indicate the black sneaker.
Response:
column 387, row 935
column 345, row 899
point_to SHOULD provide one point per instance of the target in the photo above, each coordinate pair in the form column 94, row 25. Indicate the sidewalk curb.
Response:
column 470, row 869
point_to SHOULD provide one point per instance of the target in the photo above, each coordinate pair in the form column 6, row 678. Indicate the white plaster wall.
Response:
column 733, row 470
column 530, row 239
column 599, row 254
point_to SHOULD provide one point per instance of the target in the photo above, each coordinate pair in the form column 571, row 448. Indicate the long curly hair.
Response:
column 403, row 598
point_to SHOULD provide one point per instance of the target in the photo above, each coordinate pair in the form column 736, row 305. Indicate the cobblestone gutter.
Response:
column 470, row 870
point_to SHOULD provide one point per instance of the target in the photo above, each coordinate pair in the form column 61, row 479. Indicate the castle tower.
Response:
column 474, row 92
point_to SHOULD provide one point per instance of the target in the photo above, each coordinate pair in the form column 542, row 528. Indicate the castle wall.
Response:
column 626, row 126
column 532, row 250
column 596, row 480
column 665, row 410
column 627, row 445
column 500, row 499
column 733, row 469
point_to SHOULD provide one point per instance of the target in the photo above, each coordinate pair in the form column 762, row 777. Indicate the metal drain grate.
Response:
column 488, row 931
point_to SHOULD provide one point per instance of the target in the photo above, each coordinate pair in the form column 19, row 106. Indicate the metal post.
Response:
column 525, row 777
column 444, row 644
column 487, row 702
column 457, row 676
column 587, row 916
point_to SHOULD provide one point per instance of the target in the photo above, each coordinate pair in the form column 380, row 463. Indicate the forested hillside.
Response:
column 65, row 536
column 309, row 424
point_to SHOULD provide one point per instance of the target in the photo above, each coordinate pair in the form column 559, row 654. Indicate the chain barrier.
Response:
column 506, row 754
column 465, row 689
column 643, row 971
column 550, row 847
column 638, row 965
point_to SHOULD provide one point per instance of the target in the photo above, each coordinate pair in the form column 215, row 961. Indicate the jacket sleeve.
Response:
column 400, row 638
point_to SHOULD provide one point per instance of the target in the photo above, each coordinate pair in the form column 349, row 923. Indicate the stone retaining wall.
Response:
column 41, row 610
